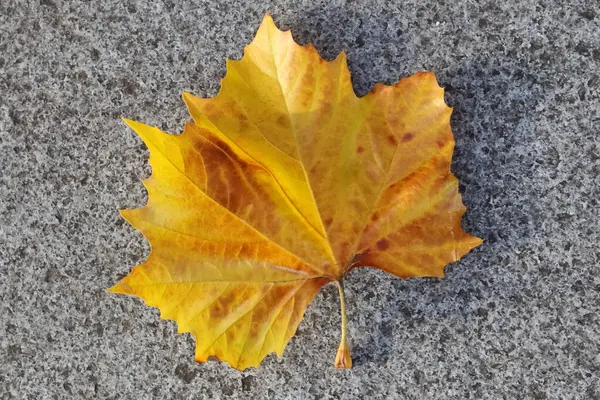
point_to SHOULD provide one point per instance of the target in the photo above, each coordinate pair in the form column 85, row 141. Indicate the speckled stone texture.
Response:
column 516, row 318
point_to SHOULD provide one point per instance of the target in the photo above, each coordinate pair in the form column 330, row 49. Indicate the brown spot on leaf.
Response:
column 224, row 147
column 360, row 149
column 208, row 108
column 243, row 124
column 328, row 222
column 442, row 163
column 219, row 158
column 383, row 244
column 375, row 217
column 378, row 87
column 407, row 137
column 306, row 101
column 245, row 251
column 326, row 107
column 282, row 121
column 218, row 310
column 361, row 259
column 394, row 121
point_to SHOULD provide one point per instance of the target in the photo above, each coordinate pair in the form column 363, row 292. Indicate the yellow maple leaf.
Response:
column 285, row 181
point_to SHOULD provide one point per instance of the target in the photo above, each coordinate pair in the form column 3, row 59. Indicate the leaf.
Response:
column 286, row 181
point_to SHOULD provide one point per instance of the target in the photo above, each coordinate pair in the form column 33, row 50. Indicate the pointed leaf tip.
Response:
column 268, row 21
column 117, row 289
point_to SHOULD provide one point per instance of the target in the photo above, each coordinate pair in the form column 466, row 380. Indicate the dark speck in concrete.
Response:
column 186, row 372
column 248, row 382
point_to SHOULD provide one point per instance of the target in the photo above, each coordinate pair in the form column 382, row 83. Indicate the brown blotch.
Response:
column 212, row 109
column 407, row 137
column 224, row 147
column 228, row 155
column 205, row 133
column 246, row 251
column 326, row 107
column 361, row 259
column 277, row 292
column 282, row 120
column 360, row 149
column 241, row 116
column 383, row 244
column 392, row 140
column 374, row 217
column 243, row 125
column 230, row 105
column 328, row 222
column 442, row 163
column 218, row 310
column 440, row 143
column 378, row 87
column 219, row 156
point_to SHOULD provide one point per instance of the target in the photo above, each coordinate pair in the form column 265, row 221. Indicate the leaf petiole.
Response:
column 343, row 359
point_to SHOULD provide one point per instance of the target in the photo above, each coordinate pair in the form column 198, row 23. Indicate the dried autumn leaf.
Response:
column 285, row 181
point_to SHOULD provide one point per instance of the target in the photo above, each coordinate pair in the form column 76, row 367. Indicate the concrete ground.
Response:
column 517, row 318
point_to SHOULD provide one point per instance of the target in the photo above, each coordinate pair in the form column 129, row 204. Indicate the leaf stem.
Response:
column 340, row 285
column 343, row 359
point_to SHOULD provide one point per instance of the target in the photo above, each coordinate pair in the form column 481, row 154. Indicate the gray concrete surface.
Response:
column 517, row 318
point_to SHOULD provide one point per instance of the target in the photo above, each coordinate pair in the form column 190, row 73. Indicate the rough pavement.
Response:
column 516, row 318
